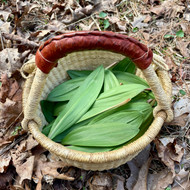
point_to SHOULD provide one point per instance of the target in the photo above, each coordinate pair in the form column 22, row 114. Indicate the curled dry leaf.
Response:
column 9, row 60
column 182, row 46
column 161, row 180
column 43, row 168
column 4, row 162
column 135, row 165
column 169, row 152
column 182, row 106
column 139, row 22
column 101, row 181
column 186, row 27
column 180, row 120
column 23, row 160
column 7, row 178
column 168, row 8
column 10, row 102
column 9, row 112
column 142, row 178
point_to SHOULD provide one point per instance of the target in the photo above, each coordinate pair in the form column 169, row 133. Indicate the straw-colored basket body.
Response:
column 39, row 84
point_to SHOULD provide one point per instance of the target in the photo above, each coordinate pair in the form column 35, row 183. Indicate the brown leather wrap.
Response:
column 59, row 46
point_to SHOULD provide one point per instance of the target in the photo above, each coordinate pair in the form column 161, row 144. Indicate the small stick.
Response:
column 20, row 39
column 8, row 147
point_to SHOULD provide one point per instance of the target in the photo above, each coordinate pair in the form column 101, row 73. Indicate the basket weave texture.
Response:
column 38, row 85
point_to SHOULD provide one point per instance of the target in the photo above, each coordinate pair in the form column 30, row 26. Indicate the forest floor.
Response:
column 163, row 25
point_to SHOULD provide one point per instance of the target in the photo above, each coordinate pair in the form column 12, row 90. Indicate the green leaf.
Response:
column 142, row 107
column 132, row 117
column 113, row 98
column 101, row 135
column 62, row 135
column 180, row 33
column 90, row 149
column 78, row 105
column 168, row 36
column 46, row 129
column 182, row 92
column 16, row 130
column 66, row 90
column 102, row 15
column 110, row 81
column 125, row 65
column 106, row 24
column 135, row 29
column 47, row 109
column 59, row 107
column 128, row 78
column 76, row 73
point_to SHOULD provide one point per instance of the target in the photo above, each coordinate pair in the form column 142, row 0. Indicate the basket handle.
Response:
column 59, row 46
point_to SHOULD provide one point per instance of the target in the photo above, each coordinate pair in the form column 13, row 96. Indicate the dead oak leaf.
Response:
column 101, row 181
column 158, row 10
column 180, row 120
column 30, row 143
column 161, row 180
column 168, row 8
column 4, row 162
column 23, row 160
column 43, row 167
column 186, row 27
column 9, row 60
column 139, row 22
column 7, row 178
column 142, row 178
column 182, row 46
column 9, row 112
column 135, row 166
column 25, row 170
column 169, row 152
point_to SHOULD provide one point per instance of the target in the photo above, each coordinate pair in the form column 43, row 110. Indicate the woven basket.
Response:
column 87, row 50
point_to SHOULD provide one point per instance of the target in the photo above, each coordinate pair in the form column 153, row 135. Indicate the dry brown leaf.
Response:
column 5, row 27
column 142, row 178
column 169, row 8
column 118, row 182
column 158, row 10
column 169, row 152
column 5, row 14
column 30, row 143
column 9, row 112
column 135, row 164
column 7, row 178
column 25, row 170
column 182, row 46
column 180, row 120
column 182, row 106
column 4, row 162
column 186, row 27
column 46, row 168
column 160, row 181
column 147, row 19
column 9, row 60
column 23, row 160
column 101, row 181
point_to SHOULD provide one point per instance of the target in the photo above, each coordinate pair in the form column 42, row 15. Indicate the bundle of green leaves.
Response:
column 100, row 110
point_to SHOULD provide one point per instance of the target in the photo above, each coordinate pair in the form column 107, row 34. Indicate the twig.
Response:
column 2, row 41
column 14, row 121
column 20, row 39
column 96, row 23
column 8, row 147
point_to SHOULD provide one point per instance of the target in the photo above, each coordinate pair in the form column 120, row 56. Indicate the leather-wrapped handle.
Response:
column 59, row 46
